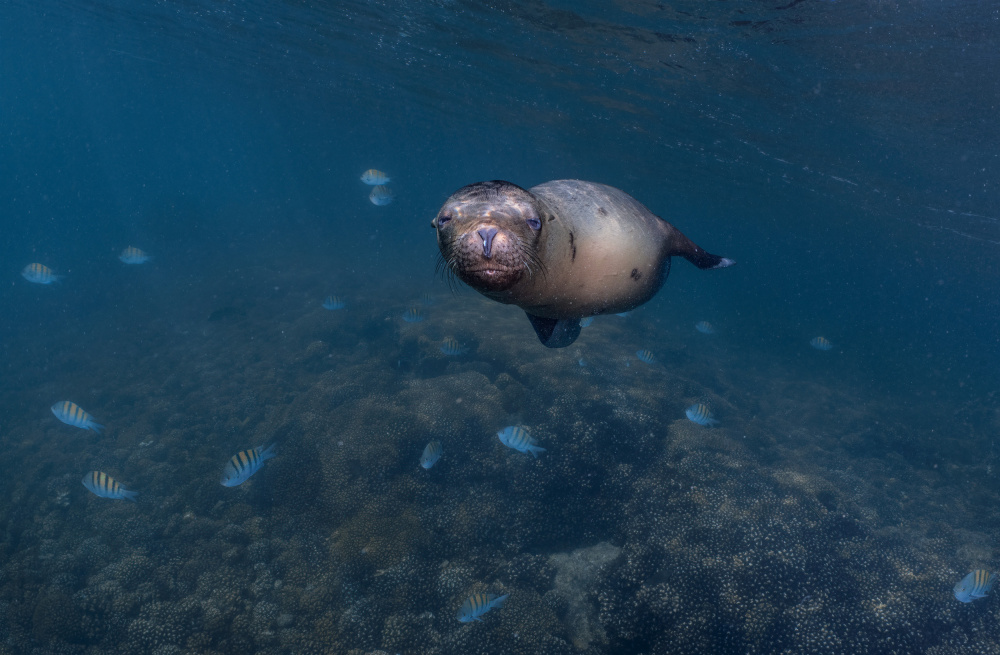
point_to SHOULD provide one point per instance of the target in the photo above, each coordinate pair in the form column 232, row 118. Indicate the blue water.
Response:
column 843, row 153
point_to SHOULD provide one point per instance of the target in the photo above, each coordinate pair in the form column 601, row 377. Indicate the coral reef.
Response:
column 779, row 531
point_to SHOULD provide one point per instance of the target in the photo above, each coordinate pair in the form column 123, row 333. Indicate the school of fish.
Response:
column 245, row 463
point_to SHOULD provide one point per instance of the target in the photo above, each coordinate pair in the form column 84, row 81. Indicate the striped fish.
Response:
column 451, row 347
column 586, row 321
column 704, row 327
column 477, row 605
column 244, row 464
column 413, row 315
column 820, row 343
column 374, row 177
column 105, row 486
column 381, row 195
column 133, row 255
column 700, row 414
column 519, row 439
column 975, row 585
column 432, row 453
column 71, row 414
column 334, row 303
column 645, row 356
column 39, row 274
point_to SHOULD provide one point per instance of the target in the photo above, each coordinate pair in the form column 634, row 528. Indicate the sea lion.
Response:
column 560, row 251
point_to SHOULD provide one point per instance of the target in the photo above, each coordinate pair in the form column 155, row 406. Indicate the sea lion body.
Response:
column 561, row 251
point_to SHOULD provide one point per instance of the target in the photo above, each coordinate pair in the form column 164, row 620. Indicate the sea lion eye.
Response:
column 534, row 224
column 442, row 219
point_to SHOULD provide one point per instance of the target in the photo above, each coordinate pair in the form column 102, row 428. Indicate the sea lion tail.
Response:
column 553, row 332
column 680, row 245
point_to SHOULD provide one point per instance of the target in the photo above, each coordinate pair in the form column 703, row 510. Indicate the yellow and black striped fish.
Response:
column 71, row 414
column 39, row 274
column 820, row 343
column 381, row 195
column 105, row 486
column 477, row 605
column 977, row 584
column 374, row 177
column 133, row 255
column 244, row 464
column 516, row 437
column 413, row 315
column 700, row 414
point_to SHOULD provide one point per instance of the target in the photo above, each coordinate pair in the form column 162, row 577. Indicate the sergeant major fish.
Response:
column 820, row 343
column 452, row 348
column 105, row 486
column 477, row 605
column 244, row 464
column 700, row 414
column 381, row 195
column 645, row 356
column 39, row 274
column 71, row 414
column 975, row 585
column 431, row 454
column 413, row 315
column 333, row 303
column 519, row 439
column 374, row 177
column 704, row 327
column 133, row 255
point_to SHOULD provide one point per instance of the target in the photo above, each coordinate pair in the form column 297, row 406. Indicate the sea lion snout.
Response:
column 487, row 234
column 485, row 257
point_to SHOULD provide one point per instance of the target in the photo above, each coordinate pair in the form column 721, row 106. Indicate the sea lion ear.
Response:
column 555, row 333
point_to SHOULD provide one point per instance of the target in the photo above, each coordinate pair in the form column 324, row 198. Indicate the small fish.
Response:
column 586, row 321
column 820, row 343
column 133, row 255
column 39, row 274
column 244, row 464
column 71, row 414
column 624, row 314
column 519, row 439
column 582, row 362
column 334, row 303
column 105, row 486
column 381, row 195
column 374, row 177
column 704, row 327
column 452, row 347
column 700, row 414
column 975, row 585
column 477, row 605
column 645, row 356
column 432, row 453
column 413, row 315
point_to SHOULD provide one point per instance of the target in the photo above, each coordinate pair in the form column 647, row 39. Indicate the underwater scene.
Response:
column 460, row 327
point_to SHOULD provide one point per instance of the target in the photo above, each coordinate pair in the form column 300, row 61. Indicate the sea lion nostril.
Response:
column 487, row 234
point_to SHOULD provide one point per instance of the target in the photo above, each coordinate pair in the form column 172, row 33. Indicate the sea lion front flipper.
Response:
column 555, row 333
column 680, row 245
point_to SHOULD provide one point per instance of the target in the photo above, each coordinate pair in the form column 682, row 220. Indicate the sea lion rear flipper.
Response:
column 553, row 332
column 680, row 245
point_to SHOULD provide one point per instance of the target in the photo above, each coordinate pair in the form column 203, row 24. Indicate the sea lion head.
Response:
column 488, row 234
